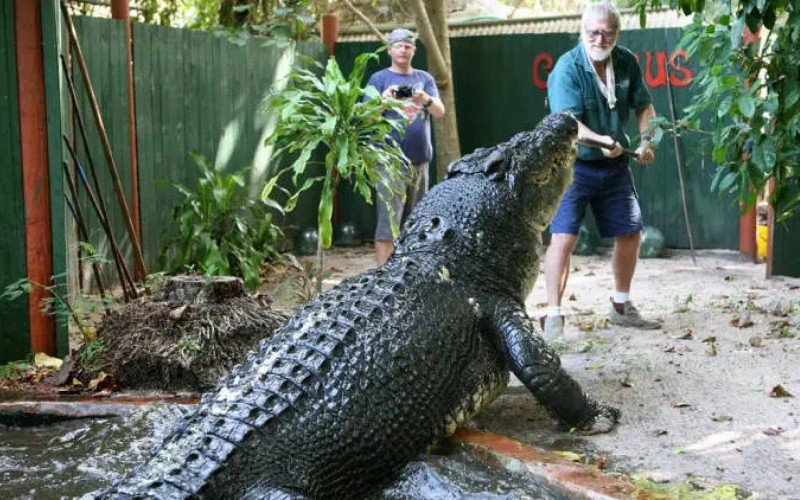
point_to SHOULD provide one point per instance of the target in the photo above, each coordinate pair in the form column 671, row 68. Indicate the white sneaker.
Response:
column 552, row 326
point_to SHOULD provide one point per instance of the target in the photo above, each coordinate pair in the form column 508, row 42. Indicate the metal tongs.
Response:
column 602, row 145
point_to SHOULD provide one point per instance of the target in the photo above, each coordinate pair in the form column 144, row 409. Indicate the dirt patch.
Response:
column 697, row 397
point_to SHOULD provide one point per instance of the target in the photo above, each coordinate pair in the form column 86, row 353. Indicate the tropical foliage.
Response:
column 279, row 19
column 336, row 117
column 221, row 230
column 749, row 87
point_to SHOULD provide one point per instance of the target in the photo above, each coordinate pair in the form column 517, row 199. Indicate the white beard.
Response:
column 594, row 56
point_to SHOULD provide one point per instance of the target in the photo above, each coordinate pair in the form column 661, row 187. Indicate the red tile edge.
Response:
column 557, row 473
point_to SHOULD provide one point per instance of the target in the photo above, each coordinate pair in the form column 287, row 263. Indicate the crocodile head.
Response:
column 541, row 165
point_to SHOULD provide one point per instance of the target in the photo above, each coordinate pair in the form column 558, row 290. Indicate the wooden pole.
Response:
column 100, row 208
column 77, row 213
column 112, row 166
column 34, row 156
column 121, row 9
column 679, row 164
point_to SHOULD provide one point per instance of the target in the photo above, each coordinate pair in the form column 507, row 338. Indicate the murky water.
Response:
column 71, row 458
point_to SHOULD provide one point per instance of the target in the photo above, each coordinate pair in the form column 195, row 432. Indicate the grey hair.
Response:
column 602, row 10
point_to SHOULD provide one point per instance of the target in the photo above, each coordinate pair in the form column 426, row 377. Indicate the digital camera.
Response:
column 404, row 91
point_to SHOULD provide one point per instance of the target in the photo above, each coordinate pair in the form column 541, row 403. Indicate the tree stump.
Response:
column 186, row 336
column 188, row 289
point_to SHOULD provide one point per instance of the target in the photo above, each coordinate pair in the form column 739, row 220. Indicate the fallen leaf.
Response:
column 586, row 326
column 742, row 322
column 709, row 339
column 688, row 334
column 626, row 382
column 595, row 367
column 101, row 382
column 773, row 431
column 176, row 314
column 572, row 297
column 670, row 349
column 570, row 455
column 661, row 432
column 42, row 360
column 721, row 418
column 779, row 392
column 756, row 341
column 676, row 404
column 713, row 349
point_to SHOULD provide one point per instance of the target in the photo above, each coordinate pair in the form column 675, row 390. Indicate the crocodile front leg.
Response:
column 538, row 366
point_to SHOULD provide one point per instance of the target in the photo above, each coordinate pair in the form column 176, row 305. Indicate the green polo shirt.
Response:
column 571, row 86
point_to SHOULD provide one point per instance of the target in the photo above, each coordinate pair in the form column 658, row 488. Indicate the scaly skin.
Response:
column 367, row 375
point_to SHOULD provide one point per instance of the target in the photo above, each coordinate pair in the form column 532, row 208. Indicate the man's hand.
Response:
column 421, row 98
column 646, row 152
column 611, row 153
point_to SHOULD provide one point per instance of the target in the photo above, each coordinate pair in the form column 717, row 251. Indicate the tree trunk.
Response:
column 431, row 20
column 229, row 17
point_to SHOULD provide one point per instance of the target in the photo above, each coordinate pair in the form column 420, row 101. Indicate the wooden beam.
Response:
column 34, row 155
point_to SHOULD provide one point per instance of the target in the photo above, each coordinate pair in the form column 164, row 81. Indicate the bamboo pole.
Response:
column 112, row 166
column 77, row 213
column 124, row 275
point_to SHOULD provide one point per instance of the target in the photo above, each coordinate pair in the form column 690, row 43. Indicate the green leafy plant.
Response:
column 61, row 304
column 221, row 230
column 335, row 116
column 750, row 89
column 92, row 348
column 13, row 370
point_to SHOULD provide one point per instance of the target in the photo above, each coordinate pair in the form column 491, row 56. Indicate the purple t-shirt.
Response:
column 416, row 143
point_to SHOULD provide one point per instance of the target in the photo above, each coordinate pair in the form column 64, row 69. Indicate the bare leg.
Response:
column 556, row 266
column 623, row 262
column 383, row 250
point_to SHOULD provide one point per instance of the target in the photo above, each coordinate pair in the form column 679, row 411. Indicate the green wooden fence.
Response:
column 498, row 82
column 14, row 321
column 194, row 92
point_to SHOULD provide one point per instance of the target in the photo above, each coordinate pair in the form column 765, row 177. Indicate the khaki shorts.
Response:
column 414, row 193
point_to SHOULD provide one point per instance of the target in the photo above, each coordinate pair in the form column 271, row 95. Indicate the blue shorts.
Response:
column 606, row 185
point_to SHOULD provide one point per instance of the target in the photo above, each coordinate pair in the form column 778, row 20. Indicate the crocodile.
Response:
column 367, row 375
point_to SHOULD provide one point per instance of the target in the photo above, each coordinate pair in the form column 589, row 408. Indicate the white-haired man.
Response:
column 418, row 90
column 599, row 82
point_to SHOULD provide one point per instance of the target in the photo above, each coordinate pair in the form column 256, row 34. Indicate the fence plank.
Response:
column 14, row 320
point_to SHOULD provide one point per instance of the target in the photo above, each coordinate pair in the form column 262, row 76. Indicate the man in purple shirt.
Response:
column 397, row 82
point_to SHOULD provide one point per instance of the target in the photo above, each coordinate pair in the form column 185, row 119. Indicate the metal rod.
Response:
column 75, row 208
column 679, row 164
column 124, row 275
column 112, row 166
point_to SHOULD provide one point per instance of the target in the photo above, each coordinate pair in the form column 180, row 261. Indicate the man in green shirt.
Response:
column 599, row 82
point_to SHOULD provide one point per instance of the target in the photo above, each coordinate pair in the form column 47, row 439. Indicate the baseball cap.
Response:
column 402, row 35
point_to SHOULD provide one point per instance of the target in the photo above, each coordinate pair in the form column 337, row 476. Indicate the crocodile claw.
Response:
column 603, row 421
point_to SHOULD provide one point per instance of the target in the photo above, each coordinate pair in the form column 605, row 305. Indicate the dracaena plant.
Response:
column 221, row 230
column 334, row 117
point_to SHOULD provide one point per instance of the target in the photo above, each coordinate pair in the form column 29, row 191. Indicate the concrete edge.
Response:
column 560, row 475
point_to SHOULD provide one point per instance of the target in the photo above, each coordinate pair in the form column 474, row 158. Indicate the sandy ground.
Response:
column 698, row 396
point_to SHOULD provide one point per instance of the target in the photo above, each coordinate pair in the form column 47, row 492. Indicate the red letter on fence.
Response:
column 541, row 59
column 679, row 76
column 661, row 63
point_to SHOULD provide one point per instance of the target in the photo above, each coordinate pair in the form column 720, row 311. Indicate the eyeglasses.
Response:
column 605, row 34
